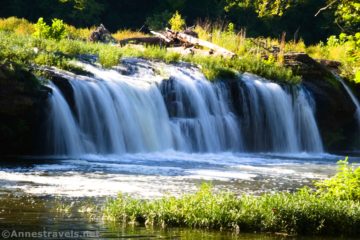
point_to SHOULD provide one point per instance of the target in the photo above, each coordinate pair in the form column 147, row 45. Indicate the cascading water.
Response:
column 118, row 113
column 353, row 99
column 276, row 120
column 63, row 136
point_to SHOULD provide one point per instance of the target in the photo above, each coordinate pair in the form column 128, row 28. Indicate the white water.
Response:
column 353, row 99
column 278, row 121
column 141, row 112
column 149, row 175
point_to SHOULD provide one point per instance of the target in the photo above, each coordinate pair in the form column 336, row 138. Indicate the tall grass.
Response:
column 27, row 50
column 345, row 53
column 126, row 33
column 19, row 26
column 250, row 51
column 305, row 212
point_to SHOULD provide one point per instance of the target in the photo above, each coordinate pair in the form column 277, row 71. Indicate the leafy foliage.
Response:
column 177, row 23
column 56, row 31
column 17, row 25
column 42, row 30
column 344, row 185
column 59, row 53
column 302, row 212
column 344, row 48
column 264, row 8
column 261, row 17
column 348, row 14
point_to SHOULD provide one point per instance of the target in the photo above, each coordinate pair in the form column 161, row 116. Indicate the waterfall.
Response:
column 353, row 98
column 152, row 107
column 277, row 120
column 63, row 135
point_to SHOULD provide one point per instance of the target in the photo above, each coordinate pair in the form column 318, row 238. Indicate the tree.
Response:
column 176, row 22
column 83, row 12
column 264, row 8
column 347, row 15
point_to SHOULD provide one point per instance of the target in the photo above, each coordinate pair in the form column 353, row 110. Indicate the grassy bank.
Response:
column 19, row 38
column 333, row 208
column 343, row 48
column 19, row 45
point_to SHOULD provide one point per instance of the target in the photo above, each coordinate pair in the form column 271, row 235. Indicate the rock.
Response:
column 334, row 108
column 191, row 33
column 331, row 64
column 21, row 101
column 101, row 34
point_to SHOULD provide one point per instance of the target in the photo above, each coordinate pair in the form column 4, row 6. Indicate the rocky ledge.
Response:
column 334, row 107
column 21, row 101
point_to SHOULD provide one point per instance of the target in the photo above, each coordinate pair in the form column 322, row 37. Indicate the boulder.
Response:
column 22, row 100
column 101, row 34
column 334, row 107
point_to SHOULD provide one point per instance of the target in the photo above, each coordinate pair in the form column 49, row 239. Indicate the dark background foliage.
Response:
column 298, row 21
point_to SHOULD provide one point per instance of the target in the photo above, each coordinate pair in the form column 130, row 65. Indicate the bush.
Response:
column 344, row 185
column 177, row 23
column 17, row 25
column 109, row 57
column 42, row 30
column 56, row 31
column 334, row 209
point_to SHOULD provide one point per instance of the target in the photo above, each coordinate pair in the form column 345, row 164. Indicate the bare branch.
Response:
column 325, row 8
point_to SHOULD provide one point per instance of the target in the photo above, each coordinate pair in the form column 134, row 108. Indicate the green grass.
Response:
column 249, row 50
column 306, row 212
column 27, row 50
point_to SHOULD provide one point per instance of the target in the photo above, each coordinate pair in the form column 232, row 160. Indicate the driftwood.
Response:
column 187, row 39
column 142, row 40
column 183, row 38
column 162, row 36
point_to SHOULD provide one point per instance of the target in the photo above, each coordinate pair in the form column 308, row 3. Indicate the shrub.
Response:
column 109, row 57
column 56, row 31
column 17, row 25
column 42, row 30
column 78, row 33
column 177, row 23
column 24, row 50
column 333, row 209
column 344, row 185
column 302, row 212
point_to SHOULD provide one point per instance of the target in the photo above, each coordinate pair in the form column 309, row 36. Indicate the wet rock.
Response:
column 334, row 108
column 21, row 100
column 101, row 34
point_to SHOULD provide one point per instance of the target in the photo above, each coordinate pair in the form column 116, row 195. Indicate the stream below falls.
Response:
column 149, row 130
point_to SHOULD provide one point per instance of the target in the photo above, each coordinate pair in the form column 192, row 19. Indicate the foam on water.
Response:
column 157, row 107
column 155, row 174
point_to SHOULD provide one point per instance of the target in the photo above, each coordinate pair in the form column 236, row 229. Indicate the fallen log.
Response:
column 199, row 42
column 142, row 40
column 162, row 36
column 191, row 51
column 173, row 38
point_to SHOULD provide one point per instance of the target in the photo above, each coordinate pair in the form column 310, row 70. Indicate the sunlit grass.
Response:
column 331, row 209
column 48, row 52
column 123, row 34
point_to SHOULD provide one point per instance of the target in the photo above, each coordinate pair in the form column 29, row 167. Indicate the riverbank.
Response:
column 47, row 192
column 331, row 209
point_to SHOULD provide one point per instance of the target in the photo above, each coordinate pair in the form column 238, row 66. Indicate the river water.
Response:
column 36, row 192
column 150, row 130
